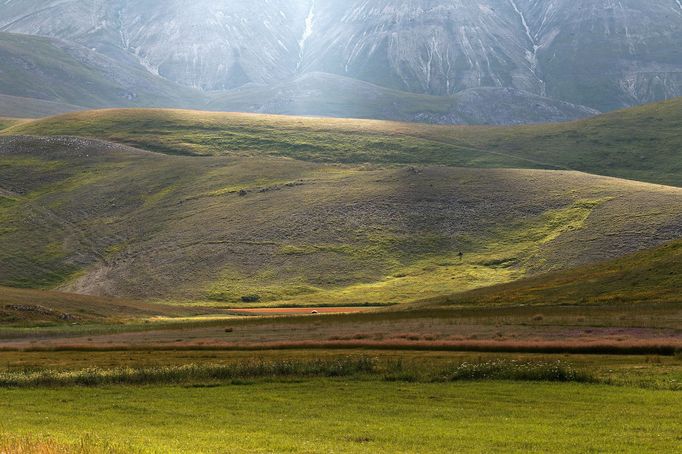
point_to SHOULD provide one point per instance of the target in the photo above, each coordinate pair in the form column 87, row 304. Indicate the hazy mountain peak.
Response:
column 599, row 53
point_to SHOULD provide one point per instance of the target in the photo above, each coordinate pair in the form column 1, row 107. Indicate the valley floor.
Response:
column 624, row 328
column 633, row 405
column 342, row 416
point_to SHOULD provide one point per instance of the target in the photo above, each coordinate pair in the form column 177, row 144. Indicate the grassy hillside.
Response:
column 7, row 122
column 19, row 307
column 17, row 107
column 66, row 73
column 310, row 139
column 649, row 277
column 642, row 143
column 105, row 219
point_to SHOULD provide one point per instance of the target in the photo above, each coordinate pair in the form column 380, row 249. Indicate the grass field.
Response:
column 326, row 415
column 336, row 401
column 640, row 143
column 633, row 411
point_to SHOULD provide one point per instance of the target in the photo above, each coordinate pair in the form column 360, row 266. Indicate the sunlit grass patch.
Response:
column 413, row 268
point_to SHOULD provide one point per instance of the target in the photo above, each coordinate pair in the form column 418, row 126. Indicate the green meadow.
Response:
column 337, row 415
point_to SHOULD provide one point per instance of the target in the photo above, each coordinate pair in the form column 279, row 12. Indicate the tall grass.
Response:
column 361, row 366
column 554, row 371
column 10, row 444
column 191, row 373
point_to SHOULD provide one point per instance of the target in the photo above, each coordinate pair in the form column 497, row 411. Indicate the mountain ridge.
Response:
column 322, row 94
column 597, row 53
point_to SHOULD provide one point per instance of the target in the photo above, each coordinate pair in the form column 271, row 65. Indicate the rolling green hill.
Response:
column 19, row 307
column 649, row 277
column 104, row 219
column 185, row 132
column 642, row 143
column 7, row 122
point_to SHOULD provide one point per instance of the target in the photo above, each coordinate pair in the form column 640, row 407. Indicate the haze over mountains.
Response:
column 530, row 60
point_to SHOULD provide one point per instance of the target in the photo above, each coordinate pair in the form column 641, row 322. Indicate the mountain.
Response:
column 50, row 74
column 599, row 53
column 641, row 143
column 53, row 75
column 321, row 94
column 98, row 218
column 207, row 44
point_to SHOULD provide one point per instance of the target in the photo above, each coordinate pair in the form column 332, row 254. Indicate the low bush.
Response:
column 250, row 298
column 238, row 372
column 341, row 367
column 555, row 371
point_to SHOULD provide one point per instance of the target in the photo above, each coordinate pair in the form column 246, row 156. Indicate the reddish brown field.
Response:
column 605, row 329
column 272, row 311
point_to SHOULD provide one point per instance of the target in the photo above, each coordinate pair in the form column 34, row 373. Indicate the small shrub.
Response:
column 360, row 439
column 250, row 298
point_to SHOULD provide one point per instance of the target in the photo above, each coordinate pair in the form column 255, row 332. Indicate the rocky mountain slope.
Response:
column 70, row 76
column 205, row 44
column 337, row 96
column 601, row 53
column 48, row 75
